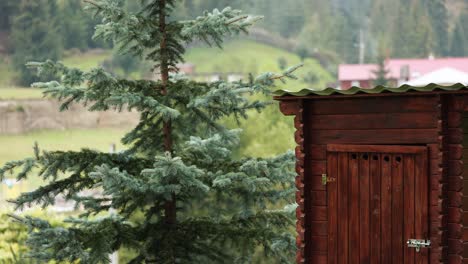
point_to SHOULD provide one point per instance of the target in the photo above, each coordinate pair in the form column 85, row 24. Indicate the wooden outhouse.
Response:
column 381, row 174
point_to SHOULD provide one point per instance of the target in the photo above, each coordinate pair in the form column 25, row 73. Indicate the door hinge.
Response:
column 418, row 244
column 326, row 179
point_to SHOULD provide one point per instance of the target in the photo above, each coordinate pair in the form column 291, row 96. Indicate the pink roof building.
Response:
column 400, row 70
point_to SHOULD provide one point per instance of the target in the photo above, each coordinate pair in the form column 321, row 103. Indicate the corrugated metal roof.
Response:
column 376, row 90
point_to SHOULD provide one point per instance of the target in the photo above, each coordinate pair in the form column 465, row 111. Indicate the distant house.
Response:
column 186, row 68
column 403, row 71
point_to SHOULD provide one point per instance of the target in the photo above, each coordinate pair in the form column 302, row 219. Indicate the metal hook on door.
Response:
column 418, row 244
column 326, row 179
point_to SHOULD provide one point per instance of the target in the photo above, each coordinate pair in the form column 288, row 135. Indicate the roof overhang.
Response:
column 376, row 91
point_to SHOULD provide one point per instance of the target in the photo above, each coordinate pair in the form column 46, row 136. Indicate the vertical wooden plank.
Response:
column 409, row 210
column 353, row 227
column 386, row 209
column 375, row 222
column 421, row 205
column 343, row 208
column 397, row 209
column 332, row 170
column 364, row 211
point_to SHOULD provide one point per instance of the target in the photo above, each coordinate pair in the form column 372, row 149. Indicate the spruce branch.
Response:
column 269, row 78
column 93, row 3
column 213, row 27
column 88, row 241
column 236, row 20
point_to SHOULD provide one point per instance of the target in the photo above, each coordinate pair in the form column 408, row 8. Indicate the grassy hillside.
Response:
column 243, row 56
column 265, row 134
column 247, row 56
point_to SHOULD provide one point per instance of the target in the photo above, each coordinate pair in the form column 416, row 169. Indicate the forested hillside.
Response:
column 334, row 31
column 401, row 28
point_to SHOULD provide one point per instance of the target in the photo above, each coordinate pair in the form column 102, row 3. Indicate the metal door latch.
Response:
column 418, row 244
column 326, row 179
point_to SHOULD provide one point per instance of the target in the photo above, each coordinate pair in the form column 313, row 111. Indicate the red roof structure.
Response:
column 400, row 70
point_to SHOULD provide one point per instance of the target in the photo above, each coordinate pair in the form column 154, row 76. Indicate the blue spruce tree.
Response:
column 178, row 193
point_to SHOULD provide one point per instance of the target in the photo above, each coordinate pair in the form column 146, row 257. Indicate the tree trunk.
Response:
column 170, row 207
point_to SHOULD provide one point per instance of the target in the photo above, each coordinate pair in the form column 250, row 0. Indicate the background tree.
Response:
column 311, row 78
column 383, row 15
column 438, row 19
column 7, row 8
column 282, row 63
column 412, row 35
column 331, row 29
column 179, row 195
column 302, row 52
column 459, row 41
column 73, row 28
column 346, row 37
column 35, row 35
column 381, row 72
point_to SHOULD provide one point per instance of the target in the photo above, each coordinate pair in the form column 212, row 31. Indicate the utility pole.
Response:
column 364, row 33
column 362, row 46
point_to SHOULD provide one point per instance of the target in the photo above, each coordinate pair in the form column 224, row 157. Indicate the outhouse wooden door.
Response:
column 377, row 202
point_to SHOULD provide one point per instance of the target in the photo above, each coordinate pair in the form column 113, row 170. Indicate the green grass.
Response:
column 17, row 147
column 248, row 56
column 7, row 73
column 19, row 93
column 87, row 61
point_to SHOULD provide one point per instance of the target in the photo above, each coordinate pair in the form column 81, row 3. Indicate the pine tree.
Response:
column 34, row 36
column 383, row 15
column 7, row 8
column 438, row 18
column 347, row 33
column 381, row 72
column 459, row 41
column 179, row 194
column 73, row 25
column 412, row 34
